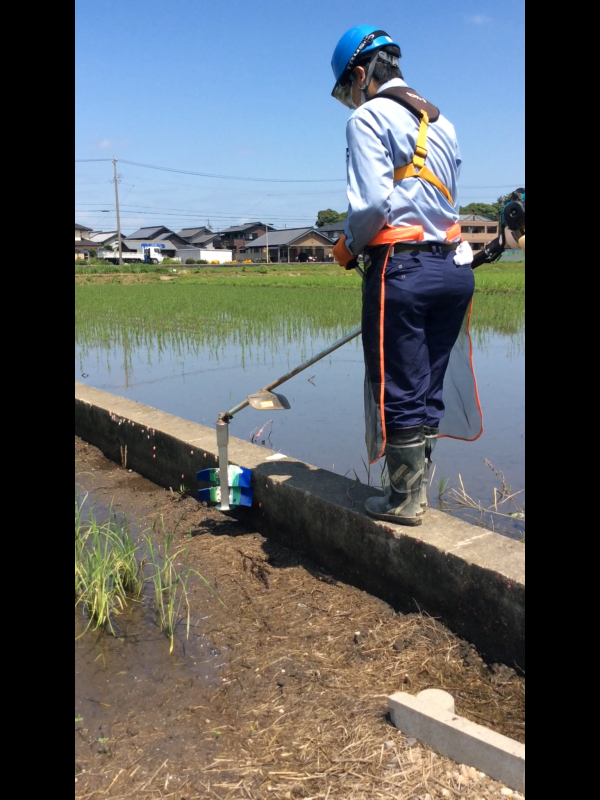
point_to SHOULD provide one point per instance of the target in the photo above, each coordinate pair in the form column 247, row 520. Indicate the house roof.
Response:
column 246, row 227
column 79, row 227
column 170, row 238
column 158, row 233
column 149, row 233
column 85, row 243
column 208, row 237
column 474, row 218
column 286, row 237
column 201, row 237
column 186, row 233
column 333, row 226
column 102, row 236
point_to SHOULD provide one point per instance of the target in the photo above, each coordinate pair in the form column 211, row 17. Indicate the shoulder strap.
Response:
column 411, row 100
column 425, row 113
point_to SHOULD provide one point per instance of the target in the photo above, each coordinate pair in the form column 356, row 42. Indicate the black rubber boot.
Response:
column 431, row 437
column 405, row 455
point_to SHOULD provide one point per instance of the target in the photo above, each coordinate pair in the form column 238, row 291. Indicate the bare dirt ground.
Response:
column 281, row 689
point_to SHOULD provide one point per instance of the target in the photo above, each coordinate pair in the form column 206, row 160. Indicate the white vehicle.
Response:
column 149, row 255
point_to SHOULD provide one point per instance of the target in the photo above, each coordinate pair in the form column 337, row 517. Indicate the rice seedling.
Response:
column 98, row 589
column 170, row 587
column 107, row 572
column 128, row 570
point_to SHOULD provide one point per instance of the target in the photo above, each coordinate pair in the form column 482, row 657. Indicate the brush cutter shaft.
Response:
column 340, row 343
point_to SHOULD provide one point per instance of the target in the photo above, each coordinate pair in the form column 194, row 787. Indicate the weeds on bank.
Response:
column 112, row 570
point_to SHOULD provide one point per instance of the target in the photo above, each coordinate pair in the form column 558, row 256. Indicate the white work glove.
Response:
column 463, row 255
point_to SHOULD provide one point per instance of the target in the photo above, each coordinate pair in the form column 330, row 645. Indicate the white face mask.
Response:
column 344, row 95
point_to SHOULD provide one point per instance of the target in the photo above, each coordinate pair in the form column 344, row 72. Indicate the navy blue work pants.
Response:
column 425, row 298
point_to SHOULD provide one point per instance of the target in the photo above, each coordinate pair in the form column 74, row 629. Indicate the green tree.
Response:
column 489, row 210
column 328, row 216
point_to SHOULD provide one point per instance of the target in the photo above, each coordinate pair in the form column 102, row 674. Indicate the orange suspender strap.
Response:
column 410, row 171
column 417, row 168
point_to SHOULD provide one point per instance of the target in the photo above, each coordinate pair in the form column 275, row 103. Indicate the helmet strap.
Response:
column 369, row 74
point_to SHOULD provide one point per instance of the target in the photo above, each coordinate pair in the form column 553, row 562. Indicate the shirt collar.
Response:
column 393, row 82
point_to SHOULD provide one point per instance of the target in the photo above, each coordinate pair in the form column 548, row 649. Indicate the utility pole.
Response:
column 116, row 183
column 267, row 232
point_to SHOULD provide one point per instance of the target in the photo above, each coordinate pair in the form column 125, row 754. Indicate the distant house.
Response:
column 478, row 230
column 158, row 235
column 292, row 244
column 150, row 232
column 83, row 244
column 238, row 237
column 80, row 230
column 202, row 237
column 334, row 230
column 209, row 241
column 192, row 235
column 173, row 245
column 105, row 239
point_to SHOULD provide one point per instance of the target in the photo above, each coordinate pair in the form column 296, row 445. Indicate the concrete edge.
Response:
column 430, row 717
column 473, row 580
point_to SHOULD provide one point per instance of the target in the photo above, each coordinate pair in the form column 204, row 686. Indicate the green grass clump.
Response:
column 107, row 572
column 111, row 571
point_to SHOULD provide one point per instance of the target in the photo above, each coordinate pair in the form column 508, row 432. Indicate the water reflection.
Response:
column 198, row 371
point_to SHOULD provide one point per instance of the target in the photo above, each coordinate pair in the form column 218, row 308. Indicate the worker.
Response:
column 403, row 166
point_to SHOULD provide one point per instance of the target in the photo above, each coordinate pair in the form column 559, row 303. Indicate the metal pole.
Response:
column 267, row 243
column 116, row 182
column 340, row 343
column 223, row 446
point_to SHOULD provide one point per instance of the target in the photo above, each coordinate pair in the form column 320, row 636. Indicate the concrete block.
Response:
column 472, row 580
column 430, row 717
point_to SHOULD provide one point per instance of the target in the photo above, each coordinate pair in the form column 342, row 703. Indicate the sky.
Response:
column 240, row 92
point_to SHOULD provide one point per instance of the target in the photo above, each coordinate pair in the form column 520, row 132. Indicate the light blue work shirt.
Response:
column 381, row 137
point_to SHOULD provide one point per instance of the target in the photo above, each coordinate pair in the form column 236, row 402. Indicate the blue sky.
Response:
column 242, row 90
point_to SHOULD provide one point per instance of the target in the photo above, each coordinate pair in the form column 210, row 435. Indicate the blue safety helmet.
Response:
column 353, row 45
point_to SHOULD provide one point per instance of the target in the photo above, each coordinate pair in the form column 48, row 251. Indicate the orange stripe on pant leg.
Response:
column 381, row 355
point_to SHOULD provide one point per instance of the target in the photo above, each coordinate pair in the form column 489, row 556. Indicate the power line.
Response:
column 340, row 190
column 147, row 215
column 233, row 177
column 258, row 180
column 183, row 214
column 212, row 175
column 236, row 189
column 200, row 212
column 142, row 209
